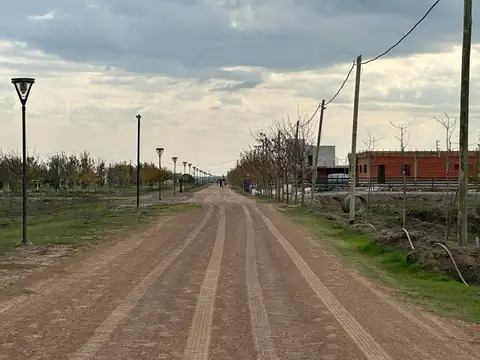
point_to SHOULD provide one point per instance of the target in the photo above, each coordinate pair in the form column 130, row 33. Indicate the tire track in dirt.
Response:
column 365, row 342
column 158, row 326
column 401, row 337
column 442, row 334
column 105, row 330
column 302, row 327
column 62, row 321
column 231, row 331
column 262, row 332
column 95, row 265
column 198, row 341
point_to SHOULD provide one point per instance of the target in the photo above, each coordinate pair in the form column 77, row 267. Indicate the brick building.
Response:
column 384, row 167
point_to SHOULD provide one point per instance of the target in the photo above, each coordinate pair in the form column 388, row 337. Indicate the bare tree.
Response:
column 371, row 142
column 370, row 146
column 401, row 136
column 449, row 126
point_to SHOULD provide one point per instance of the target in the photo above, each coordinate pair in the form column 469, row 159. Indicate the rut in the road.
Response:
column 104, row 331
column 198, row 341
column 262, row 332
column 366, row 343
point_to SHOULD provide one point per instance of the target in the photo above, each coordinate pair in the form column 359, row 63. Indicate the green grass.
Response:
column 388, row 266
column 54, row 222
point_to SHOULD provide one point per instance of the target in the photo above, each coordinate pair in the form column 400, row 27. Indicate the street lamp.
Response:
column 183, row 176
column 189, row 176
column 194, row 176
column 138, row 159
column 174, row 171
column 160, row 181
column 23, row 87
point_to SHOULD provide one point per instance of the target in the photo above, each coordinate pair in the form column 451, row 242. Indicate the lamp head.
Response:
column 23, row 87
column 160, row 151
column 174, row 158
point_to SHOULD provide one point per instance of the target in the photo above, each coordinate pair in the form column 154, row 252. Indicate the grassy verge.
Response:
column 388, row 266
column 80, row 223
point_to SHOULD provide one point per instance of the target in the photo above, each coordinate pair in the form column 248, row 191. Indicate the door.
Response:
column 381, row 174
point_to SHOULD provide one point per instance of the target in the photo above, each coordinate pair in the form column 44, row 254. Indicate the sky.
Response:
column 206, row 74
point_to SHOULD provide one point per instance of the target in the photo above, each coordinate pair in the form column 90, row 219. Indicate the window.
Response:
column 361, row 168
column 456, row 166
column 365, row 168
column 406, row 169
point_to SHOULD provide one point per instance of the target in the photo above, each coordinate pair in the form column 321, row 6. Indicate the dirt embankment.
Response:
column 426, row 221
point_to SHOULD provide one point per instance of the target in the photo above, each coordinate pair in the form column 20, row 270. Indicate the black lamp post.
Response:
column 183, row 175
column 194, row 175
column 160, row 181
column 23, row 87
column 174, row 173
column 189, row 176
column 138, row 160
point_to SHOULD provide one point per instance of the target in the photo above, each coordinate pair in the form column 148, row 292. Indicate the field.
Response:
column 60, row 223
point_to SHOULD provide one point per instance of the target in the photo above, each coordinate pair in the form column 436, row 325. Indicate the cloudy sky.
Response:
column 205, row 73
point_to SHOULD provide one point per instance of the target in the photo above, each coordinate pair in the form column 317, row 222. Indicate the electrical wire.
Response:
column 370, row 61
column 315, row 113
column 404, row 36
column 342, row 86
column 385, row 52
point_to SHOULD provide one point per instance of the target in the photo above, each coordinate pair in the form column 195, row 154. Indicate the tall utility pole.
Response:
column 138, row 160
column 353, row 153
column 317, row 149
column 464, row 100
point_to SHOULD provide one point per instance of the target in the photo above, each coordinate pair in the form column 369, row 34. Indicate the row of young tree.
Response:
column 281, row 160
column 72, row 171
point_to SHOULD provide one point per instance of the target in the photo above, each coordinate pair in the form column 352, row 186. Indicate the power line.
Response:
column 404, row 36
column 341, row 87
column 315, row 113
column 384, row 53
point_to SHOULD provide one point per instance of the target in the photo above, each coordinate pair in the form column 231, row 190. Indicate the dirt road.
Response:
column 233, row 280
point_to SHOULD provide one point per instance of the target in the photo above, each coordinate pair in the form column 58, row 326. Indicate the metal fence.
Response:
column 425, row 184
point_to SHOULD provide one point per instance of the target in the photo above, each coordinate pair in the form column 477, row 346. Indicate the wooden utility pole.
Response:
column 353, row 153
column 464, row 109
column 317, row 149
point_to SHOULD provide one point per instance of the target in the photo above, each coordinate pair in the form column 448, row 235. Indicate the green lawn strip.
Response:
column 82, row 224
column 388, row 266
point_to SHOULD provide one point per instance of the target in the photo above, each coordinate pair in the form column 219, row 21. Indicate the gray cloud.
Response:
column 192, row 38
column 238, row 86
